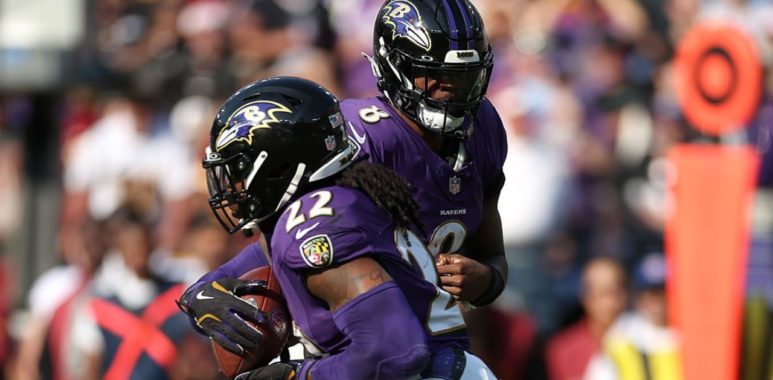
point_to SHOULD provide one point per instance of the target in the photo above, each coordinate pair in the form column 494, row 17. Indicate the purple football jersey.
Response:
column 450, row 196
column 334, row 225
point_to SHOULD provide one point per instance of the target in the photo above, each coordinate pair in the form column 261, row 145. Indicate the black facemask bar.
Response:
column 228, row 198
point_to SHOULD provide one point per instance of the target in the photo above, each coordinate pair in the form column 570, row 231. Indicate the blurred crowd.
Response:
column 105, row 170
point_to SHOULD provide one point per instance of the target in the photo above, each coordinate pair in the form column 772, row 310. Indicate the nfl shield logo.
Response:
column 336, row 119
column 330, row 142
column 454, row 185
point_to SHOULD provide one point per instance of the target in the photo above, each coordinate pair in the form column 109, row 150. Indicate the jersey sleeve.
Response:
column 358, row 133
column 494, row 141
column 321, row 241
column 247, row 259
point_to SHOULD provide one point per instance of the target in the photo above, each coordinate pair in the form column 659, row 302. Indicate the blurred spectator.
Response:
column 265, row 43
column 189, row 122
column 5, row 311
column 11, row 166
column 757, row 345
column 205, row 241
column 203, row 247
column 640, row 344
column 120, row 159
column 194, row 360
column 505, row 341
column 11, row 201
column 57, row 360
column 136, row 47
column 131, row 326
column 43, row 350
column 201, row 25
column 603, row 297
column 532, row 213
column 756, row 360
column 79, row 114
column 355, row 38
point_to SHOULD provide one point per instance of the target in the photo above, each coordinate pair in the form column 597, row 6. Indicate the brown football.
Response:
column 275, row 332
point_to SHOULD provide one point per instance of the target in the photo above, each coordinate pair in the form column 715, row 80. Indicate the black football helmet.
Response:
column 420, row 44
column 269, row 141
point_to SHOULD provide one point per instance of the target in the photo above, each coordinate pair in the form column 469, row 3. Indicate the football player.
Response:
column 359, row 283
column 434, row 126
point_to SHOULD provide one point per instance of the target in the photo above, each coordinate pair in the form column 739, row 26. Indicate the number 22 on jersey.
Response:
column 444, row 315
column 319, row 209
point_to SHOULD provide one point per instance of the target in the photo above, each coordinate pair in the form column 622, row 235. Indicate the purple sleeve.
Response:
column 383, row 345
column 495, row 143
column 358, row 132
column 249, row 258
column 323, row 241
column 328, row 246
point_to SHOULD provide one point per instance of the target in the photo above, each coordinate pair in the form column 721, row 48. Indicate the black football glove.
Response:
column 276, row 371
column 218, row 311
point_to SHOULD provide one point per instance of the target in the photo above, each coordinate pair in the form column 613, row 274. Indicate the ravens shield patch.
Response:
column 317, row 251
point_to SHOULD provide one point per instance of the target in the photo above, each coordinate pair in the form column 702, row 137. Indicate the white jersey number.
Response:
column 372, row 114
column 444, row 314
column 319, row 209
column 449, row 235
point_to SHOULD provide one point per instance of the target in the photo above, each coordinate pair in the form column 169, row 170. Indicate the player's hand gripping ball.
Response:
column 276, row 328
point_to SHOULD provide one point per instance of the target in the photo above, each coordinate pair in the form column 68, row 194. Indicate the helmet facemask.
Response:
column 460, row 84
column 229, row 199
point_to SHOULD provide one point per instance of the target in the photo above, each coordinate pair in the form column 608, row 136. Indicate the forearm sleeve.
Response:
column 498, row 266
column 387, row 340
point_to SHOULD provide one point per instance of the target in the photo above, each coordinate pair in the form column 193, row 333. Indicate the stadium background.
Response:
column 105, row 103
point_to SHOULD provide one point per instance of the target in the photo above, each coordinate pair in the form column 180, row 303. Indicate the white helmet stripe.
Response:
column 255, row 166
column 335, row 164
column 292, row 186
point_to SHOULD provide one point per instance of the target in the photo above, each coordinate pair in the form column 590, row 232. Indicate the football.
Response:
column 275, row 331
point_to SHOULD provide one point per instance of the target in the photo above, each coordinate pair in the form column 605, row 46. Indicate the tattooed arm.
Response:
column 339, row 285
column 387, row 339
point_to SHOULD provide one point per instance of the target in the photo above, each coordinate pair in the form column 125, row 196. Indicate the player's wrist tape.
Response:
column 495, row 288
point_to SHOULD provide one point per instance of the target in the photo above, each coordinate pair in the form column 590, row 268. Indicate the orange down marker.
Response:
column 718, row 77
column 707, row 240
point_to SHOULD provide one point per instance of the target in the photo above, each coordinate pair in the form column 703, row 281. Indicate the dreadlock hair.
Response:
column 387, row 189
